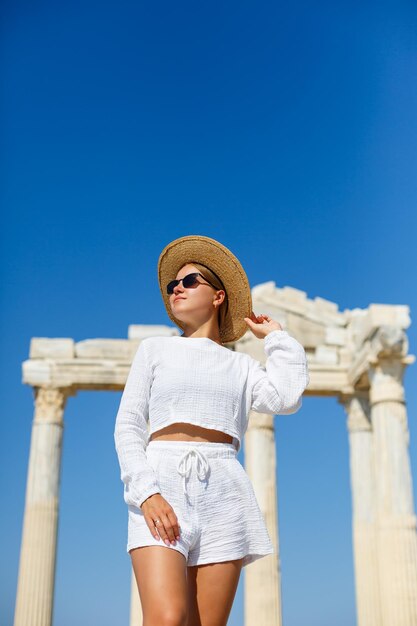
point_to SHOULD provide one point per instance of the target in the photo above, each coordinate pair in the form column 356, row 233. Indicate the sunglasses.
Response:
column 188, row 281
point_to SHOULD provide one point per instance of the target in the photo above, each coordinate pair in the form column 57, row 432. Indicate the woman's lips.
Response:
column 178, row 298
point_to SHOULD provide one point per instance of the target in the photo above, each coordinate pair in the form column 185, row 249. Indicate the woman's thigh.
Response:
column 161, row 576
column 211, row 592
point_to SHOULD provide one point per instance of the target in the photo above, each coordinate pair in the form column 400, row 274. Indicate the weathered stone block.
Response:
column 140, row 331
column 327, row 355
column 46, row 347
column 310, row 334
column 335, row 336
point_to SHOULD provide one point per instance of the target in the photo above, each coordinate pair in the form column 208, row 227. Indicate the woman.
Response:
column 186, row 491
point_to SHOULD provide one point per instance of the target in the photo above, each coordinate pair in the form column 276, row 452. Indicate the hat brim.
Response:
column 213, row 254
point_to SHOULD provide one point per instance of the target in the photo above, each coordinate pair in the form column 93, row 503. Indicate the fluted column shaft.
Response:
column 364, row 528
column 262, row 598
column 397, row 537
column 35, row 588
column 136, row 614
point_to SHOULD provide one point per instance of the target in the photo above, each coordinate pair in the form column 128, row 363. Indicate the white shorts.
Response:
column 213, row 499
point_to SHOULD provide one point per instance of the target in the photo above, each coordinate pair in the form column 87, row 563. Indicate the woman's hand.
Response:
column 262, row 325
column 157, row 508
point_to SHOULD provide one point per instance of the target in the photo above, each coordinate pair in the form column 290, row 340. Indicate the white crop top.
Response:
column 198, row 381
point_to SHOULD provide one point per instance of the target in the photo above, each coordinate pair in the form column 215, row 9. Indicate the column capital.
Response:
column 50, row 403
column 387, row 361
column 386, row 381
column 388, row 342
column 384, row 343
column 386, row 387
column 358, row 411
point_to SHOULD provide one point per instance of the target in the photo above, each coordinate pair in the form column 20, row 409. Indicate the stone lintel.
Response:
column 79, row 373
column 111, row 373
column 327, row 381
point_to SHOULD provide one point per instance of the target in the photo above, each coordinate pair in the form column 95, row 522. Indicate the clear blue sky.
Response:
column 288, row 132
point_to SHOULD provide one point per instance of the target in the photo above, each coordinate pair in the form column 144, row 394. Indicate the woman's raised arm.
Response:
column 277, row 386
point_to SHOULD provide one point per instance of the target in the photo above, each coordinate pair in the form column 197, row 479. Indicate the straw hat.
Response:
column 221, row 261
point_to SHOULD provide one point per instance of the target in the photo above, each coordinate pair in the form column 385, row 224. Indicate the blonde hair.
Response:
column 215, row 280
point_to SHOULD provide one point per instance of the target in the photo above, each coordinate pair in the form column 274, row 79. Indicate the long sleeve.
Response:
column 131, row 434
column 277, row 386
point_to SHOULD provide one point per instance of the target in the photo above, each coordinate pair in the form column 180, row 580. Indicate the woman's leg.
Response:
column 161, row 576
column 211, row 591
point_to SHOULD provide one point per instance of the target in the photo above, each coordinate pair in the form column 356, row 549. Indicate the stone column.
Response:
column 364, row 528
column 136, row 615
column 397, row 537
column 35, row 587
column 262, row 597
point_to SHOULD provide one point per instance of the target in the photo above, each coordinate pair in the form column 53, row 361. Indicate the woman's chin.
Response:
column 179, row 317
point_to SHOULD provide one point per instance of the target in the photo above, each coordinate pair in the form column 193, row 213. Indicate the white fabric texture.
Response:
column 197, row 381
column 216, row 506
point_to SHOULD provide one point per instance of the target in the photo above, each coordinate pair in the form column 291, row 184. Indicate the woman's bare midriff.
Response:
column 181, row 431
